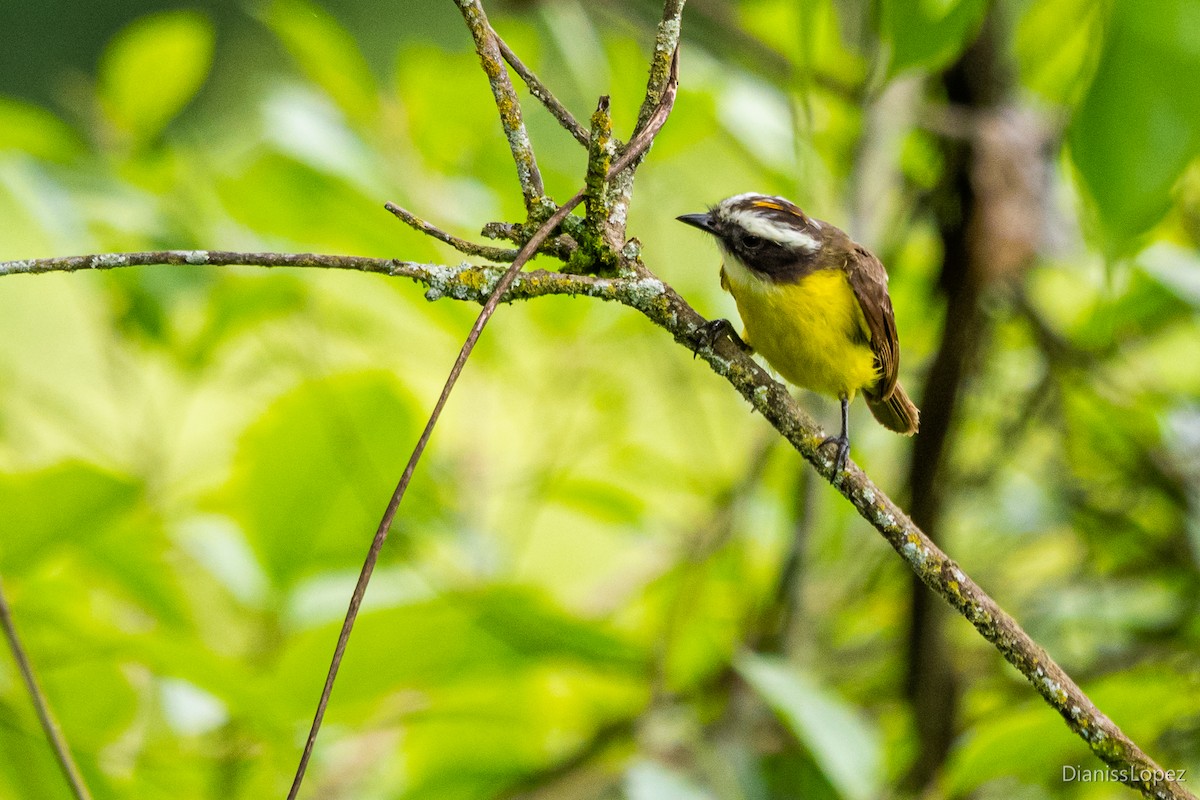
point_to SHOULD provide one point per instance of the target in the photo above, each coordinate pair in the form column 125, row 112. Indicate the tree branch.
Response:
column 659, row 303
column 661, row 85
column 539, row 90
column 494, row 298
column 62, row 753
column 505, row 254
column 506, row 101
column 644, row 292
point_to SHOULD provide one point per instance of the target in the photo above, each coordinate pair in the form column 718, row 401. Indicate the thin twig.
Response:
column 542, row 93
column 663, row 81
column 505, row 254
column 645, row 132
column 659, row 303
column 506, row 101
column 561, row 247
column 489, row 308
column 665, row 308
column 663, row 65
column 62, row 753
column 393, row 506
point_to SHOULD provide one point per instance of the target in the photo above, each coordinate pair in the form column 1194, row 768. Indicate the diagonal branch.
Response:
column 666, row 309
column 663, row 65
column 539, row 90
column 461, row 245
column 661, row 85
column 62, row 753
column 506, row 101
column 393, row 506
column 493, row 301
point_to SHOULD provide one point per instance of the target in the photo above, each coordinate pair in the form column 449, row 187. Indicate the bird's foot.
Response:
column 711, row 332
column 843, row 451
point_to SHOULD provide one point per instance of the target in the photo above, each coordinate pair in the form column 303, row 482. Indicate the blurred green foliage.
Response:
column 576, row 595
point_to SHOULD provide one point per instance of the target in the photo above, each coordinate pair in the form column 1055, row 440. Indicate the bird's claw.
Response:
column 711, row 332
column 843, row 451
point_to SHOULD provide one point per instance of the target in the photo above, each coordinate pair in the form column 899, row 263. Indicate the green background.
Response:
column 582, row 595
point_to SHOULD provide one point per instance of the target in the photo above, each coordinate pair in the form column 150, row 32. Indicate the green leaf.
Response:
column 841, row 741
column 927, row 34
column 1138, row 126
column 314, row 473
column 34, row 130
column 326, row 53
column 41, row 512
column 333, row 216
column 153, row 68
column 1144, row 702
column 533, row 627
column 1055, row 45
column 31, row 772
column 455, row 640
column 999, row 747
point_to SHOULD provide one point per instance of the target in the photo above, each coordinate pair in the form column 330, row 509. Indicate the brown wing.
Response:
column 869, row 282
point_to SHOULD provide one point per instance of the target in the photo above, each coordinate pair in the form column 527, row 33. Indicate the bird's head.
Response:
column 767, row 234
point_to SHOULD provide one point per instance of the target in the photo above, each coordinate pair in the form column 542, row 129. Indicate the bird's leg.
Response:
column 842, row 441
column 711, row 332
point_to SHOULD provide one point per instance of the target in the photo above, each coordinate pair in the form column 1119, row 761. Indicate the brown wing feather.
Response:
column 868, row 279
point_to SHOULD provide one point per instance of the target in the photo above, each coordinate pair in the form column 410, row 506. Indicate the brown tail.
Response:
column 896, row 412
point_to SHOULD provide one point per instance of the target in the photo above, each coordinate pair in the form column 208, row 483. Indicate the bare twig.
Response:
column 647, row 129
column 62, row 752
column 489, row 308
column 664, row 68
column 389, row 514
column 539, row 90
column 506, row 101
column 463, row 246
column 666, row 309
column 663, row 82
column 561, row 247
column 459, row 282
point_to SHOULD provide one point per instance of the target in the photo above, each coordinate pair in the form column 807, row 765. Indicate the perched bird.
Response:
column 814, row 303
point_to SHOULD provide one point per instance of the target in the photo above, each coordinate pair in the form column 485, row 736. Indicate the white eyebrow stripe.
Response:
column 763, row 227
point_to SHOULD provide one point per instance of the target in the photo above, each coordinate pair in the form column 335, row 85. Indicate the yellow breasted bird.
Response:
column 814, row 303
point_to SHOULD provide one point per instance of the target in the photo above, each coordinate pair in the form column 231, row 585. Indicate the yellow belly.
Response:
column 811, row 332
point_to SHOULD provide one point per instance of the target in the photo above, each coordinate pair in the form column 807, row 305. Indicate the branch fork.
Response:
column 607, row 192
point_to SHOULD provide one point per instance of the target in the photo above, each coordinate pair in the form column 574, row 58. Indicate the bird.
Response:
column 814, row 303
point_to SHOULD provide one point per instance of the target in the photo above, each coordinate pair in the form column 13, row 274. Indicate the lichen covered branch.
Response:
column 463, row 246
column 542, row 93
column 665, row 308
column 506, row 101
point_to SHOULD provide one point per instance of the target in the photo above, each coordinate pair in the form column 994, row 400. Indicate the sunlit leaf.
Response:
column 1055, row 44
column 314, row 473
column 45, row 511
column 153, row 68
column 1139, row 124
column 35, row 130
column 457, row 639
column 998, row 747
column 927, row 34
column 841, row 741
column 325, row 51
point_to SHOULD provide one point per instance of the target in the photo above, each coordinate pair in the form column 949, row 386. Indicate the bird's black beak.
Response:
column 701, row 221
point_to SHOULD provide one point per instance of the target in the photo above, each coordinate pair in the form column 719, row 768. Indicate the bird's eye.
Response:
column 751, row 242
